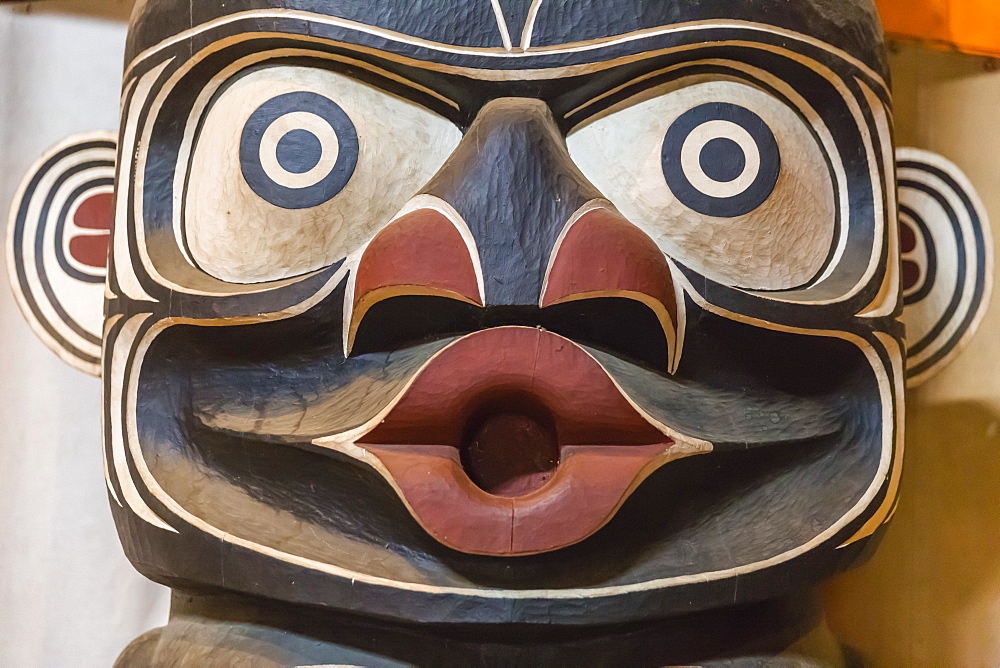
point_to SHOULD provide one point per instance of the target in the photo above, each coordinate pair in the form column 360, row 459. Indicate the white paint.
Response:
column 116, row 421
column 299, row 120
column 783, row 244
column 789, row 36
column 501, row 24
column 529, row 24
column 695, row 144
column 83, row 302
column 237, row 236
column 342, row 443
column 921, row 317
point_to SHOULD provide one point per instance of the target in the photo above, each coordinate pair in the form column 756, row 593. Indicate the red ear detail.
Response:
column 94, row 213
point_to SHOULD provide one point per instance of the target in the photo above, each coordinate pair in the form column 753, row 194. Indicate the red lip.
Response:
column 515, row 441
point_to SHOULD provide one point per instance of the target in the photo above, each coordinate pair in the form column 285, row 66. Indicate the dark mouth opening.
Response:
column 515, row 441
column 510, row 445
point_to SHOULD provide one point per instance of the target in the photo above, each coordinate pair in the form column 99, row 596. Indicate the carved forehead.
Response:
column 851, row 25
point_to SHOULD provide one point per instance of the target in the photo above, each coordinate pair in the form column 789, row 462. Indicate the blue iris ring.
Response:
column 721, row 207
column 331, row 184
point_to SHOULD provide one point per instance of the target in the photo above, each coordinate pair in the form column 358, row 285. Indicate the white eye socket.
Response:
column 725, row 177
column 295, row 167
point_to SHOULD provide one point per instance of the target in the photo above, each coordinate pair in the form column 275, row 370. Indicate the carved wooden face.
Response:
column 470, row 311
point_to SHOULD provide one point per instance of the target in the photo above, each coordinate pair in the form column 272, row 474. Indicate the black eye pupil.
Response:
column 280, row 168
column 299, row 151
column 722, row 160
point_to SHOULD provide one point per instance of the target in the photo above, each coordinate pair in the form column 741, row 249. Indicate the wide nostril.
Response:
column 423, row 252
column 602, row 255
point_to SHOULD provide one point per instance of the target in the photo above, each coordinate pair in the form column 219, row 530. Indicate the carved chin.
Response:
column 514, row 441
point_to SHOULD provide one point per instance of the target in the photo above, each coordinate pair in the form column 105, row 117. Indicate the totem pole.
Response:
column 458, row 332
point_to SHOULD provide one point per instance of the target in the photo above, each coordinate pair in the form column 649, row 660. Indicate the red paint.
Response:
column 91, row 250
column 604, row 444
column 445, row 502
column 421, row 250
column 494, row 364
column 911, row 275
column 94, row 213
column 97, row 212
column 602, row 253
column 907, row 237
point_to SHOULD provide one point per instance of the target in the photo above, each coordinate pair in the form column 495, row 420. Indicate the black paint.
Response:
column 299, row 151
column 796, row 416
column 705, row 203
column 330, row 185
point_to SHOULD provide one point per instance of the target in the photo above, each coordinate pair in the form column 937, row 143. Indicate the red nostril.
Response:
column 604, row 255
column 420, row 253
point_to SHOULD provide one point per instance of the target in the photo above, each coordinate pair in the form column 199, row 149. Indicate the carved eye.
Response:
column 721, row 160
column 293, row 167
column 298, row 150
column 728, row 179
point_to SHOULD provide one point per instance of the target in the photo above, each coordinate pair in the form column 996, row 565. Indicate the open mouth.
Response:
column 514, row 441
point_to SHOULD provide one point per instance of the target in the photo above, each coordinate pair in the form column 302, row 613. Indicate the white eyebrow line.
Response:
column 502, row 25
column 529, row 24
column 496, row 52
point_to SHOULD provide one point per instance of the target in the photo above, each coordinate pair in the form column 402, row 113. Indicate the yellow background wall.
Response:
column 931, row 594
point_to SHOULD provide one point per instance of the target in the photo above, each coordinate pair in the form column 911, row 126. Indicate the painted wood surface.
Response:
column 930, row 594
column 409, row 318
column 58, row 236
column 334, row 366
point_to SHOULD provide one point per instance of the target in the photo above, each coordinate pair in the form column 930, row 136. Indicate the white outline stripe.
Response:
column 499, row 53
column 126, row 341
column 529, row 24
column 890, row 429
column 502, row 24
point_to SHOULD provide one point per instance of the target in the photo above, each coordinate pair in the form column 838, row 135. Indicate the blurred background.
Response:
column 68, row 597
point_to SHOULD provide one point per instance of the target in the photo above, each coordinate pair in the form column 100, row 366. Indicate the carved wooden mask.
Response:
column 460, row 311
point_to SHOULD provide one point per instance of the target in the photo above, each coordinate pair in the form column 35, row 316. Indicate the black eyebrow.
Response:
column 457, row 85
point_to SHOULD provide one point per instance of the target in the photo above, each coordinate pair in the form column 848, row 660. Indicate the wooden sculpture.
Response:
column 460, row 332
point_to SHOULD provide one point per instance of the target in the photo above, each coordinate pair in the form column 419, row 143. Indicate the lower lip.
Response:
column 514, row 441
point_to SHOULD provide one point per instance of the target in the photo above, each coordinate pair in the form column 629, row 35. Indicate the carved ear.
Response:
column 57, row 246
column 947, row 256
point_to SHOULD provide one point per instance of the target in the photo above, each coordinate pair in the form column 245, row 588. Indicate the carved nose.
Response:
column 511, row 225
column 513, row 182
column 424, row 251
column 601, row 254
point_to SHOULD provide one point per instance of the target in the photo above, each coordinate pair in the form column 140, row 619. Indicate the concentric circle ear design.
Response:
column 57, row 245
column 947, row 260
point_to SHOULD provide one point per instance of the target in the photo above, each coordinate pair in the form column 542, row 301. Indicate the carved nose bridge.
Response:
column 514, row 184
